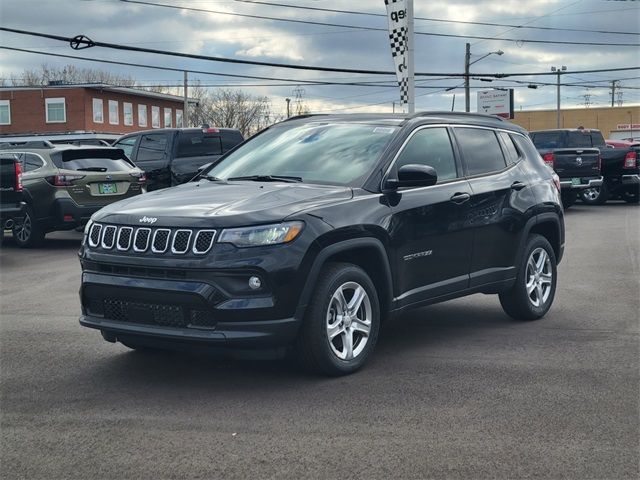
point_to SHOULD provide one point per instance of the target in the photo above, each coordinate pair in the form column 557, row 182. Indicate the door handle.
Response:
column 460, row 198
column 517, row 186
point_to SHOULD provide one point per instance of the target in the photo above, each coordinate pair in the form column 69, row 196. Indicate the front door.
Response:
column 429, row 224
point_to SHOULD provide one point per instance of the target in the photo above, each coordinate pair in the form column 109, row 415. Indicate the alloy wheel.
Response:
column 23, row 231
column 539, row 277
column 348, row 321
column 591, row 194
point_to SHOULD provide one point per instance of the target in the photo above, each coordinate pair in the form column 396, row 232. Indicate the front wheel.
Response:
column 341, row 326
column 595, row 195
column 534, row 289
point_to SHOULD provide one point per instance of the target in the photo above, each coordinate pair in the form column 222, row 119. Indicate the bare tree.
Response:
column 69, row 74
column 231, row 109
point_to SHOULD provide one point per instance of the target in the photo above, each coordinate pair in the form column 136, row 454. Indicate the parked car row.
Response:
column 61, row 185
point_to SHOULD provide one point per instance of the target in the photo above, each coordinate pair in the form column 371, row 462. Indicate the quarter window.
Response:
column 142, row 115
column 55, row 110
column 127, row 110
column 510, row 151
column 31, row 162
column 5, row 112
column 113, row 112
column 480, row 150
column 432, row 147
column 98, row 113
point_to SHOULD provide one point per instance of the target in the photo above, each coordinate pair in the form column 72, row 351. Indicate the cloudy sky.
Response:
column 352, row 41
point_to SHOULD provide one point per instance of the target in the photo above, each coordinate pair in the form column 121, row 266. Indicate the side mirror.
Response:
column 413, row 175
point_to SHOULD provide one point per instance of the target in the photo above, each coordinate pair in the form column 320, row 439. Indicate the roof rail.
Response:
column 305, row 115
column 483, row 116
column 39, row 144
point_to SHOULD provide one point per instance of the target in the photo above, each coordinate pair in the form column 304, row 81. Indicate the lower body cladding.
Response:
column 178, row 314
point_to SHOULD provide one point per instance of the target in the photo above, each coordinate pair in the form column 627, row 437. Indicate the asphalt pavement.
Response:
column 456, row 390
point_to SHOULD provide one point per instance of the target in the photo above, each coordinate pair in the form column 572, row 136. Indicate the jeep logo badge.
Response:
column 150, row 220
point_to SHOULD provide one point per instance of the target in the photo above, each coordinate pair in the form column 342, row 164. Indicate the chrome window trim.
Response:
column 153, row 241
column 173, row 250
column 104, row 233
column 135, row 248
column 195, row 241
column 118, row 239
column 95, row 225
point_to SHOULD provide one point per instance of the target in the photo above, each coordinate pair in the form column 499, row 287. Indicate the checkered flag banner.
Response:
column 398, row 38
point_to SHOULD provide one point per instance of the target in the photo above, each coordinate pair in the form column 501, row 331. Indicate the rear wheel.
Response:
column 595, row 195
column 568, row 198
column 341, row 326
column 28, row 233
column 534, row 289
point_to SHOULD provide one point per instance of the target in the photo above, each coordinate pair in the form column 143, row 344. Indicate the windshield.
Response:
column 334, row 153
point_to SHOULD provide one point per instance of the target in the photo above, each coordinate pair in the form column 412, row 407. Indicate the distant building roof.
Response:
column 104, row 87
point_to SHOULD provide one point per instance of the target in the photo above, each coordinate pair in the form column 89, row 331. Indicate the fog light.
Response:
column 255, row 283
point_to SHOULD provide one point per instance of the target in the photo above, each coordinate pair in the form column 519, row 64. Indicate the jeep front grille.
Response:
column 157, row 240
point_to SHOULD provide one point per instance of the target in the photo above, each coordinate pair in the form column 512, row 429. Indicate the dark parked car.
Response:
column 11, row 205
column 64, row 185
column 171, row 156
column 315, row 230
column 571, row 154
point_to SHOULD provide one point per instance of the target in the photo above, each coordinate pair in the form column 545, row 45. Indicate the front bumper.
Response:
column 584, row 183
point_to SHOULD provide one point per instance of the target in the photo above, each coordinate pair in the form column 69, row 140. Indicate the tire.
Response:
column 538, row 265
column 336, row 356
column 569, row 198
column 631, row 196
column 28, row 233
column 595, row 195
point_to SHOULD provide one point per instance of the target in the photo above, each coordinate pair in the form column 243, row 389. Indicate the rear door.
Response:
column 152, row 156
column 501, row 196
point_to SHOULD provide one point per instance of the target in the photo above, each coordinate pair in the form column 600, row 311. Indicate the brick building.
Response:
column 89, row 107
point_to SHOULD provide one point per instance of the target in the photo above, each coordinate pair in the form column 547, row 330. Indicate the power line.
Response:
column 84, row 42
column 430, row 19
column 360, row 27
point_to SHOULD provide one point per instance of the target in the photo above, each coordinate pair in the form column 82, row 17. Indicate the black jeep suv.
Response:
column 314, row 231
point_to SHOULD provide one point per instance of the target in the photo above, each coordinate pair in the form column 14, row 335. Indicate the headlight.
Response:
column 262, row 235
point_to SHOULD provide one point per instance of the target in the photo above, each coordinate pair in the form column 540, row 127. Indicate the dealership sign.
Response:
column 628, row 126
column 496, row 102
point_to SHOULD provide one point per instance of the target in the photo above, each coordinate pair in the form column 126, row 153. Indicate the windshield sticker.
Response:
column 383, row 130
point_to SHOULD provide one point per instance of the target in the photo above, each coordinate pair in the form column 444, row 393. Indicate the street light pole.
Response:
column 558, row 70
column 467, row 64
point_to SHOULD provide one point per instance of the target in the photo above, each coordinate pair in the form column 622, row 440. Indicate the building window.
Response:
column 55, row 110
column 167, row 118
column 113, row 112
column 5, row 112
column 98, row 113
column 127, row 109
column 142, row 115
column 179, row 119
column 155, row 117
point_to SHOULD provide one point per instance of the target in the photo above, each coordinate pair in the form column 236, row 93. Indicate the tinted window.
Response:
column 103, row 160
column 31, row 162
column 127, row 145
column 152, row 147
column 480, row 150
column 510, row 151
column 197, row 144
column 230, row 140
column 430, row 146
column 547, row 139
column 524, row 146
column 333, row 153
column 578, row 139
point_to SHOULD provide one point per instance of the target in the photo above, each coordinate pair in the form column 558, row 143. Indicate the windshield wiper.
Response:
column 211, row 178
column 92, row 169
column 269, row 178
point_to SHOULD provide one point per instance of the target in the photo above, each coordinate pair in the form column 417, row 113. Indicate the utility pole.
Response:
column 185, row 108
column 613, row 92
column 411, row 92
column 558, row 71
column 467, row 64
column 288, row 100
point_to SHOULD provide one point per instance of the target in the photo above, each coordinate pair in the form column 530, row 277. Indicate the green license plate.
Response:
column 575, row 181
column 106, row 188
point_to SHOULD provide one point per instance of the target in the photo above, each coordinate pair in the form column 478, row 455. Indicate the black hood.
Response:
column 224, row 204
